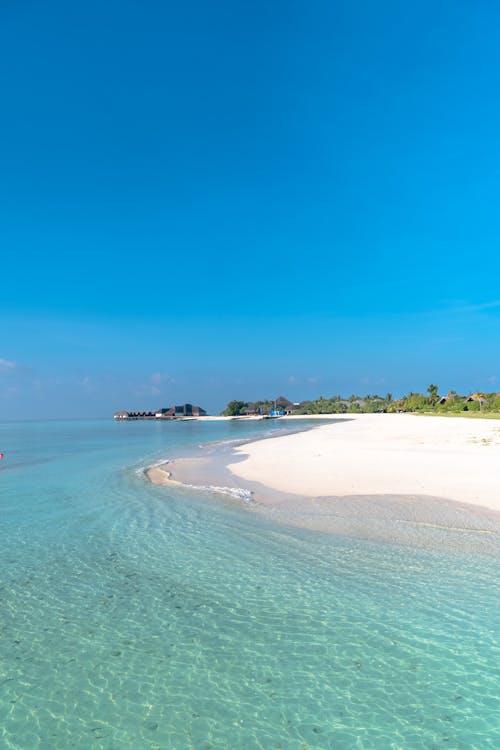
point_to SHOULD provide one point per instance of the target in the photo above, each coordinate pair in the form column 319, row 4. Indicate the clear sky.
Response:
column 207, row 201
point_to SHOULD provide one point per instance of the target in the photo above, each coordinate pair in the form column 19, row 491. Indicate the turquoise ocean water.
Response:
column 135, row 616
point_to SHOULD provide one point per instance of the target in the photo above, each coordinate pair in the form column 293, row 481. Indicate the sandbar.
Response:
column 380, row 454
column 425, row 480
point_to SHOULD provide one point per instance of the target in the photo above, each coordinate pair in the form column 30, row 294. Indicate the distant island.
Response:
column 433, row 402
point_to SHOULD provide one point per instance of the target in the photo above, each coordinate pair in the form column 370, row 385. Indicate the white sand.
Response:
column 382, row 454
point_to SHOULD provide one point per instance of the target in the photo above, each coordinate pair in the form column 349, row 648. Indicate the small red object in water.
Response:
column 1, row 455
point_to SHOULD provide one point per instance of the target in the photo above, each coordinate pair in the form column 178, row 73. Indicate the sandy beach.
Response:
column 397, row 477
column 382, row 454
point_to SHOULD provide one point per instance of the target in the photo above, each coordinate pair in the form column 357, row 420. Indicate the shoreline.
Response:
column 373, row 454
column 379, row 476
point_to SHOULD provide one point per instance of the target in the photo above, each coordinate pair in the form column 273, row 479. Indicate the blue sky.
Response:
column 208, row 201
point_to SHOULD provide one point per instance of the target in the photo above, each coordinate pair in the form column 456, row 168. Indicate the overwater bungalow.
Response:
column 171, row 412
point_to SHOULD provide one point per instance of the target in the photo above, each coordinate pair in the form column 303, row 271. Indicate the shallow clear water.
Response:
column 135, row 616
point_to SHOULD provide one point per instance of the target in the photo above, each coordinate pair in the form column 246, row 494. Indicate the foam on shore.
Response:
column 161, row 475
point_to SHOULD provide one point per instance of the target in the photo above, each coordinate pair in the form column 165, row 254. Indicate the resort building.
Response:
column 185, row 410
column 172, row 412
column 135, row 415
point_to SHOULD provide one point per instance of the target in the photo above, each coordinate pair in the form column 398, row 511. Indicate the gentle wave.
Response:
column 270, row 433
column 144, row 468
column 237, row 492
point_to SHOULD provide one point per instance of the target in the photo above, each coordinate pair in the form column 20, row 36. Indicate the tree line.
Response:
column 431, row 401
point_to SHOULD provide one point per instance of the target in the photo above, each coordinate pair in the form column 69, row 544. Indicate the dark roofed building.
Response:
column 283, row 403
column 184, row 410
column 479, row 398
column 172, row 412
column 451, row 396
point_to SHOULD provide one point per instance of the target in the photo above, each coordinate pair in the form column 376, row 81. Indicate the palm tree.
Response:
column 433, row 392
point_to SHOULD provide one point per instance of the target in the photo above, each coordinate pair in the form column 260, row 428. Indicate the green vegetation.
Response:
column 235, row 409
column 354, row 404
column 451, row 403
column 475, row 404
column 333, row 405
